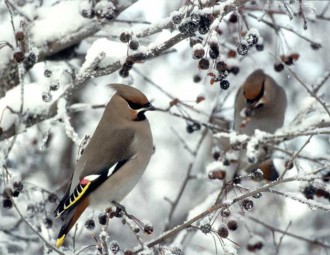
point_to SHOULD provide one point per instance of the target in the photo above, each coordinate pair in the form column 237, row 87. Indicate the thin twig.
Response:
column 301, row 238
column 49, row 245
column 295, row 156
column 264, row 188
column 323, row 104
column 278, row 27
column 281, row 239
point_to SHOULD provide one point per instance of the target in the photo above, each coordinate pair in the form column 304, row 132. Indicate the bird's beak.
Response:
column 260, row 103
column 149, row 107
column 257, row 104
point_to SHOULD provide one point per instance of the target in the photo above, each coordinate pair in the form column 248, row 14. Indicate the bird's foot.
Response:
column 120, row 210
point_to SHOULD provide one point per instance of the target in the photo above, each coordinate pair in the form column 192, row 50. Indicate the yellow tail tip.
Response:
column 60, row 241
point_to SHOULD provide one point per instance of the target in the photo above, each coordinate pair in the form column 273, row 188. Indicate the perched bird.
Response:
column 260, row 103
column 114, row 159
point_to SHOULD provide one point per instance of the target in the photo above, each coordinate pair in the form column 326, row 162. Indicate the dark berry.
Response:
column 103, row 218
column 259, row 47
column 123, row 73
column 204, row 64
column 206, row 228
column 48, row 222
column 197, row 78
column 148, row 229
column 224, row 212
column 309, row 191
column 221, row 66
column 223, row 231
column 252, row 39
column 224, row 84
column 176, row 251
column 206, row 20
column 231, row 54
column 219, row 31
column 216, row 155
column 203, row 30
column 195, row 18
column 217, row 174
column 214, row 53
column 134, row 44
column 257, row 175
column 18, row 185
column 176, row 19
column 114, row 247
column 247, row 204
column 124, row 37
column 189, row 129
column 88, row 14
column 90, row 224
column 198, row 53
column 315, row 46
column 242, row 49
column 31, row 59
column 253, row 247
column 234, row 70
column 128, row 64
column 48, row 73
column 233, row 18
column 6, row 203
column 47, row 97
column 258, row 195
column 19, row 36
column 278, row 67
column 232, row 225
column 15, row 193
column 52, row 198
column 54, row 85
column 326, row 177
column 288, row 61
column 196, row 126
column 18, row 56
column 109, row 15
column 226, row 162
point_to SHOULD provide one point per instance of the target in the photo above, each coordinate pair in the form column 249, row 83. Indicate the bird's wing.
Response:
column 92, row 178
column 87, row 185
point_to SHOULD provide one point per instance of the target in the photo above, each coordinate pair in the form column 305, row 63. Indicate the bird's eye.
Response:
column 134, row 106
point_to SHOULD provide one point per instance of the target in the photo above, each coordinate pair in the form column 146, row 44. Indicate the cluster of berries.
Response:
column 133, row 44
column 14, row 191
column 54, row 85
column 21, row 54
column 102, row 10
column 287, row 59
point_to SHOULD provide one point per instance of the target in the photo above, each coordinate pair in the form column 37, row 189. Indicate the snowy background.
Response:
column 81, row 55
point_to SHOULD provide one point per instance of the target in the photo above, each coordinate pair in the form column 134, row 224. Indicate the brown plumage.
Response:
column 260, row 104
column 113, row 161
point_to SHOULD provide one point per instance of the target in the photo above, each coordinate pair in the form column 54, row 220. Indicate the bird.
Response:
column 260, row 103
column 114, row 159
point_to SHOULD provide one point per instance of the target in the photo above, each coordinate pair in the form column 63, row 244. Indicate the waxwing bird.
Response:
column 260, row 104
column 114, row 159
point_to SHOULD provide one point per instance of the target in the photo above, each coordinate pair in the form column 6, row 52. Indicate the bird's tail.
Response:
column 69, row 221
